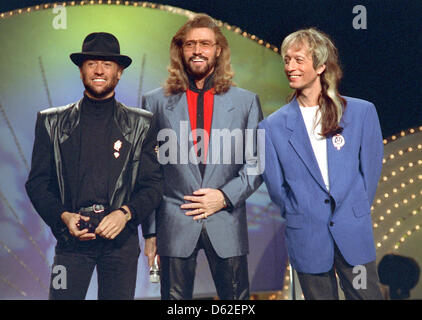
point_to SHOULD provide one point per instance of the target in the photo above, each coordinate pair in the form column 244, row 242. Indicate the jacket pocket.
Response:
column 361, row 208
column 294, row 221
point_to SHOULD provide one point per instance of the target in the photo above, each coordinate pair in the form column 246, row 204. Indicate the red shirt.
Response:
column 195, row 108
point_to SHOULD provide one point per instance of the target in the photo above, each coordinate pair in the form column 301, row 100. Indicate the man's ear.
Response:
column 320, row 69
column 218, row 51
column 120, row 72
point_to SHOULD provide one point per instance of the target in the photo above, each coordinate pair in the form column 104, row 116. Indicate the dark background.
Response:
column 381, row 64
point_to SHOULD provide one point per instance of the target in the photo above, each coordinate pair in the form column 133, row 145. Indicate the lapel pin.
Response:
column 338, row 141
column 156, row 149
column 116, row 155
column 117, row 145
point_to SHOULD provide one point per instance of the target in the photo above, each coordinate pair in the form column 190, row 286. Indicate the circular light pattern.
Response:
column 146, row 5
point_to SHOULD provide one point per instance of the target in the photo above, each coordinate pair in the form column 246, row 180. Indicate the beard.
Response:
column 199, row 72
column 100, row 92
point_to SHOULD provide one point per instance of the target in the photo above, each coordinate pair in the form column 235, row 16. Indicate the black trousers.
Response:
column 116, row 268
column 361, row 285
column 230, row 275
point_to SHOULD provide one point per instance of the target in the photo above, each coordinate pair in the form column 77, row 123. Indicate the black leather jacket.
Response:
column 135, row 176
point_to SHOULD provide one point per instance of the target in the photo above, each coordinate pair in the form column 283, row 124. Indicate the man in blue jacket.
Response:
column 323, row 158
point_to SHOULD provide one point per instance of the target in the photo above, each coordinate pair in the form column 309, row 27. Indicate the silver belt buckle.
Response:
column 97, row 208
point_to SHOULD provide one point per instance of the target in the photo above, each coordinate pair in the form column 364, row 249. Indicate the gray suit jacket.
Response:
column 177, row 234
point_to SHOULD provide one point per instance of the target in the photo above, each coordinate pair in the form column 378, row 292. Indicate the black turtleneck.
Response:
column 96, row 150
column 208, row 83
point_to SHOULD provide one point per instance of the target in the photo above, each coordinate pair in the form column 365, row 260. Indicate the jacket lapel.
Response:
column 335, row 160
column 118, row 155
column 300, row 142
column 222, row 118
column 70, row 144
column 178, row 117
column 70, row 151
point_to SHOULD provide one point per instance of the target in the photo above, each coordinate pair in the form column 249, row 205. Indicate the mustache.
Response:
column 198, row 56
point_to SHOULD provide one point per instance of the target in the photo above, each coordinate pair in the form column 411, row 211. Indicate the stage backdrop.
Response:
column 36, row 73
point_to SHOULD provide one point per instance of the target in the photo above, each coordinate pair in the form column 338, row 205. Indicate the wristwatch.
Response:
column 126, row 213
column 226, row 202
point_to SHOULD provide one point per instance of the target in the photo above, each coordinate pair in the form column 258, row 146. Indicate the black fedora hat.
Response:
column 100, row 45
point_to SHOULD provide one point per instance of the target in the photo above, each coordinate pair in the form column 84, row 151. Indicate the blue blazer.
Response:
column 295, row 184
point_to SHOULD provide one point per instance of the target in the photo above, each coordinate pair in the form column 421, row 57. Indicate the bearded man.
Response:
column 207, row 181
column 95, row 177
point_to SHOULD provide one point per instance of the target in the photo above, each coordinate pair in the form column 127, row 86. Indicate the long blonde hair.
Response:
column 177, row 80
column 323, row 52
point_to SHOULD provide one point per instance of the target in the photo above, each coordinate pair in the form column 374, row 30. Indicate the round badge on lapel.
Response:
column 338, row 141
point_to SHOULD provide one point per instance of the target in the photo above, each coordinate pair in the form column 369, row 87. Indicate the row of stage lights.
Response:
column 403, row 185
column 392, row 156
column 395, row 190
column 397, row 224
column 396, row 205
column 395, row 172
column 406, row 236
column 402, row 239
column 143, row 5
column 402, row 134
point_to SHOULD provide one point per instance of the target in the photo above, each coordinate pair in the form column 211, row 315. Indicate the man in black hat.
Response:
column 95, row 177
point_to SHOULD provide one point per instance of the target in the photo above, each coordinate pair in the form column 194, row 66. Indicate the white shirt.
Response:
column 318, row 142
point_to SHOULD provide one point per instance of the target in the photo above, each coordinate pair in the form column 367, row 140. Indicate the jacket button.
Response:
column 327, row 200
column 331, row 223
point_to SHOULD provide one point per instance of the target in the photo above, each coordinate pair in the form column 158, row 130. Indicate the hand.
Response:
column 150, row 250
column 112, row 224
column 72, row 222
column 204, row 203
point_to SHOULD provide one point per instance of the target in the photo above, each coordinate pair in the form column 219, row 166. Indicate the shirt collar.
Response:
column 208, row 84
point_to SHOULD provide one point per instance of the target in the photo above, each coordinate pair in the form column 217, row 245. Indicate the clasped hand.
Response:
column 203, row 203
column 109, row 227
